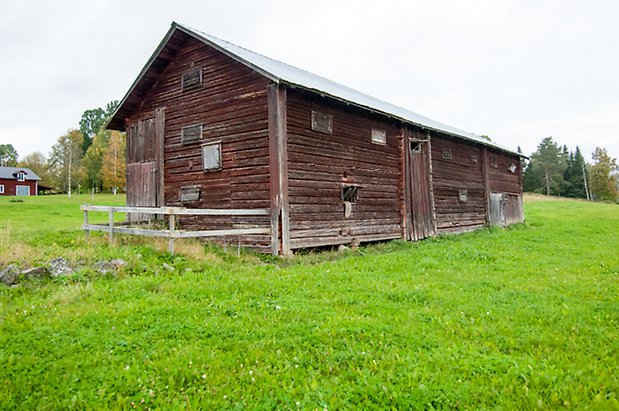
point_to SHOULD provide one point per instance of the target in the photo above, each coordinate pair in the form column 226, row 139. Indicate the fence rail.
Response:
column 172, row 232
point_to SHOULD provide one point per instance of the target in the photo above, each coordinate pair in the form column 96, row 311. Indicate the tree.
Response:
column 65, row 159
column 575, row 176
column 603, row 177
column 93, row 120
column 549, row 162
column 8, row 155
column 113, row 171
column 92, row 162
column 37, row 163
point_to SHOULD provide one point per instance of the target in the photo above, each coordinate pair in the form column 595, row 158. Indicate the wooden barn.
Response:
column 18, row 181
column 213, row 125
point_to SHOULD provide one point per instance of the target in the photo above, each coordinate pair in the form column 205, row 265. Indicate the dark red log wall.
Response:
column 457, row 171
column 319, row 164
column 232, row 106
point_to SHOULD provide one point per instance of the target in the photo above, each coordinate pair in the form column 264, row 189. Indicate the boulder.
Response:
column 9, row 274
column 59, row 267
column 36, row 272
column 105, row 267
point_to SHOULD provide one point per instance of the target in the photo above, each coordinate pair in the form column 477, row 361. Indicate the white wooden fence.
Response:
column 172, row 232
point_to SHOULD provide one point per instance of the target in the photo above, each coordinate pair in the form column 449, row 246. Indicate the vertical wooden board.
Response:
column 420, row 192
column 159, row 154
column 274, row 169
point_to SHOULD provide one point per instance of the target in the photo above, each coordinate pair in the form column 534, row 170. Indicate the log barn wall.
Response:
column 319, row 164
column 279, row 142
column 505, row 178
column 232, row 107
column 458, row 184
column 500, row 178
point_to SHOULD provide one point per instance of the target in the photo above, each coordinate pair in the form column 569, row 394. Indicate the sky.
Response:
column 517, row 71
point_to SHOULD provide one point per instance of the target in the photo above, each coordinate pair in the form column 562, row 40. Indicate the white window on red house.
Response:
column 1, row 188
column 21, row 176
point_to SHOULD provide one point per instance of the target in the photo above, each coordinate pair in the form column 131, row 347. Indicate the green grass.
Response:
column 521, row 318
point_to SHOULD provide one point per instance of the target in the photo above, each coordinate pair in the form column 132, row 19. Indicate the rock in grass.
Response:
column 59, row 267
column 9, row 274
column 36, row 272
column 105, row 267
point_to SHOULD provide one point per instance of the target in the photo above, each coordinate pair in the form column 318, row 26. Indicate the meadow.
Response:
column 518, row 318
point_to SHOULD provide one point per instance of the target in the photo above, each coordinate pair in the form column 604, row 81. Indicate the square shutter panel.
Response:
column 191, row 134
column 192, row 79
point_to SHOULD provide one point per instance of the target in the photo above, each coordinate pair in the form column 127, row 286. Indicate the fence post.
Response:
column 171, row 239
column 86, row 230
column 111, row 226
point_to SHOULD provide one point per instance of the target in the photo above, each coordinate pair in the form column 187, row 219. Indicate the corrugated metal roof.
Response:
column 282, row 72
column 10, row 173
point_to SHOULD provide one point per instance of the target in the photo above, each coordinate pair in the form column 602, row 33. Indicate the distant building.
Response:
column 18, row 181
column 213, row 125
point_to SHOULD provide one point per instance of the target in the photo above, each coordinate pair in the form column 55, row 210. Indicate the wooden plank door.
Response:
column 145, row 163
column 420, row 201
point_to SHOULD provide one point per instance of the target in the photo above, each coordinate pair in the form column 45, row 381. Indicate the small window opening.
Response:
column 379, row 137
column 463, row 196
column 511, row 168
column 447, row 153
column 416, row 147
column 493, row 162
column 321, row 122
column 191, row 134
column 190, row 193
column 191, row 79
column 211, row 156
column 350, row 193
column 21, row 177
column 1, row 188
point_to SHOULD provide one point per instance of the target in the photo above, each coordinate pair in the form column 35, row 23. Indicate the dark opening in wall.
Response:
column 350, row 193
column 416, row 147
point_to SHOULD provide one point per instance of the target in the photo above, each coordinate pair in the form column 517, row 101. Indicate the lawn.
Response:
column 521, row 318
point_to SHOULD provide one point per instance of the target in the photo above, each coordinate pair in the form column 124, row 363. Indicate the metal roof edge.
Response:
column 197, row 35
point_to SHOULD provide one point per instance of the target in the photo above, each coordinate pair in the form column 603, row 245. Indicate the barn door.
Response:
column 419, row 177
column 145, row 163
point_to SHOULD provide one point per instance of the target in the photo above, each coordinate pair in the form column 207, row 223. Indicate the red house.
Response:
column 18, row 181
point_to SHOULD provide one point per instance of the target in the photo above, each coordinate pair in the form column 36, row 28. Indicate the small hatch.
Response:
column 191, row 79
column 191, row 134
column 321, row 122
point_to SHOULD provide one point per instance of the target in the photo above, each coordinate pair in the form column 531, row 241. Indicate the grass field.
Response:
column 521, row 318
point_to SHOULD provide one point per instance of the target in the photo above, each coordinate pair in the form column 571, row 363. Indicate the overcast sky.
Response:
column 517, row 71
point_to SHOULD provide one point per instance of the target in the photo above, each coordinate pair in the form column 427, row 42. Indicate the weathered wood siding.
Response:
column 500, row 178
column 231, row 105
column 319, row 164
column 458, row 184
column 504, row 181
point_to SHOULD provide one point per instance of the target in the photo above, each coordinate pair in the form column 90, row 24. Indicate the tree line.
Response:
column 85, row 159
column 92, row 158
column 555, row 170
